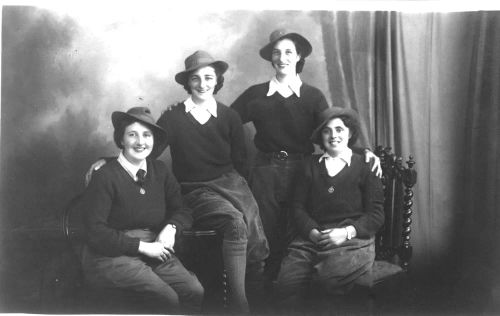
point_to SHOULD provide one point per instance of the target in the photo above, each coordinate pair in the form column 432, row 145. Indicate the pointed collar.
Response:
column 346, row 156
column 130, row 168
column 209, row 105
column 285, row 89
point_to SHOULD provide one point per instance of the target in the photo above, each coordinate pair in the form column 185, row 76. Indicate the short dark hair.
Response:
column 120, row 130
column 300, row 64
column 351, row 124
column 218, row 86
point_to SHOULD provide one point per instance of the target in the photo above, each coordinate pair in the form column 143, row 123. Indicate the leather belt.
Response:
column 283, row 155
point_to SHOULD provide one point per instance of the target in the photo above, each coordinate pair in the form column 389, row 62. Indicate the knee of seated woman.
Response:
column 235, row 229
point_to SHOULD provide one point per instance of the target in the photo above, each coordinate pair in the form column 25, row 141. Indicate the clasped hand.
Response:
column 163, row 247
column 155, row 250
column 328, row 238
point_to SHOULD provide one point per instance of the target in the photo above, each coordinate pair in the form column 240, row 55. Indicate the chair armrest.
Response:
column 198, row 233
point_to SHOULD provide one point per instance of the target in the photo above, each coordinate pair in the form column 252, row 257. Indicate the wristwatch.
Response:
column 173, row 226
column 349, row 232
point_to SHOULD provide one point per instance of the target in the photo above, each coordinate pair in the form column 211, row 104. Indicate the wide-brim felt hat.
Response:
column 331, row 113
column 198, row 60
column 277, row 35
column 143, row 115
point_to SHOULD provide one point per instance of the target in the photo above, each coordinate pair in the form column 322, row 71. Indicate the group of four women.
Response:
column 317, row 205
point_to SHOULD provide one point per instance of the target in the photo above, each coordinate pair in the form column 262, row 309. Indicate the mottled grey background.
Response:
column 65, row 72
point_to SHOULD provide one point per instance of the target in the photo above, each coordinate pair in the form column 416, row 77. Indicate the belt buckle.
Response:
column 282, row 155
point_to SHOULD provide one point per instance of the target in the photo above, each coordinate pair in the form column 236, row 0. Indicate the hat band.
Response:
column 199, row 61
column 142, row 117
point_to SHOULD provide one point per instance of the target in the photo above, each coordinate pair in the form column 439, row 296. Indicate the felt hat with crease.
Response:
column 277, row 35
column 198, row 60
column 332, row 113
column 142, row 115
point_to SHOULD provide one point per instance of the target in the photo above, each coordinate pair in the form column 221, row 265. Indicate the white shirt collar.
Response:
column 209, row 105
column 285, row 89
column 130, row 168
column 345, row 156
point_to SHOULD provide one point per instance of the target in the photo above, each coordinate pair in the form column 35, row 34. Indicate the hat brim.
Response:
column 219, row 66
column 160, row 135
column 329, row 114
column 305, row 46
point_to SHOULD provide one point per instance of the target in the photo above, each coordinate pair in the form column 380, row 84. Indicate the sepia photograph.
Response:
column 256, row 158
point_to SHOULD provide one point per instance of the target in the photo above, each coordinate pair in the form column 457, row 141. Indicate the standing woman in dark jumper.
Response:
column 132, row 211
column 338, row 209
column 284, row 112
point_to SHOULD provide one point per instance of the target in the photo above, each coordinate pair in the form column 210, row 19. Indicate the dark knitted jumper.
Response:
column 352, row 197
column 113, row 203
column 281, row 123
column 204, row 152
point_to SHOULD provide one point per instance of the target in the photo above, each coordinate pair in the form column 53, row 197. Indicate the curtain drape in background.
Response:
column 427, row 84
column 482, row 161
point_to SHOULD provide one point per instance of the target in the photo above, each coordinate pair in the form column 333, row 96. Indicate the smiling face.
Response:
column 137, row 142
column 335, row 136
column 284, row 58
column 202, row 83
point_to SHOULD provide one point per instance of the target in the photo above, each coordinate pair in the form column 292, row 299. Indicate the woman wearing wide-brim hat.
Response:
column 208, row 152
column 133, row 209
column 337, row 209
column 284, row 111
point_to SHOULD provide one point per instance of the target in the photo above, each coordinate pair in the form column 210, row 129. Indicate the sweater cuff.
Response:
column 131, row 246
column 361, row 232
column 307, row 227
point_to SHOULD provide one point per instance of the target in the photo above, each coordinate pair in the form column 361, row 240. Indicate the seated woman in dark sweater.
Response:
column 133, row 209
column 338, row 208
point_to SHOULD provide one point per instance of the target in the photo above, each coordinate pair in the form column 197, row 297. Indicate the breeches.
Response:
column 227, row 205
column 272, row 182
column 168, row 281
column 335, row 269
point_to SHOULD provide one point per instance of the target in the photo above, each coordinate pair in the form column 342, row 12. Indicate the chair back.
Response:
column 393, row 239
column 73, row 225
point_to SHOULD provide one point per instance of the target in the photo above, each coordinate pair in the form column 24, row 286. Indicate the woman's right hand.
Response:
column 170, row 107
column 95, row 166
column 315, row 235
column 155, row 250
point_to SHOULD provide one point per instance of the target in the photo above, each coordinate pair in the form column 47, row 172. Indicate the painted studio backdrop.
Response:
column 425, row 84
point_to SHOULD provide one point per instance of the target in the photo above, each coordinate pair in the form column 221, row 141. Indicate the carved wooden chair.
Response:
column 392, row 243
column 393, row 240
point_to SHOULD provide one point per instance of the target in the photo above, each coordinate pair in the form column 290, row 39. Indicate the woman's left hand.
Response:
column 167, row 237
column 377, row 168
column 332, row 237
